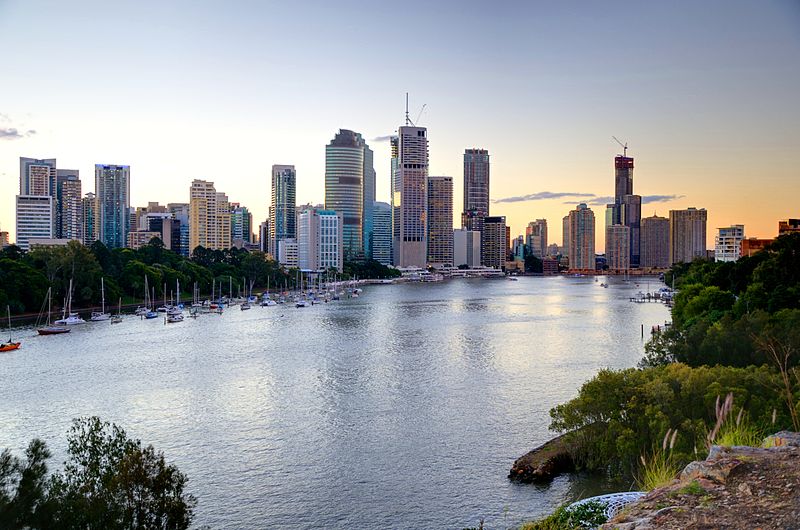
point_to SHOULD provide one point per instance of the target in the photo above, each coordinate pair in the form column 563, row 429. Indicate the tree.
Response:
column 533, row 264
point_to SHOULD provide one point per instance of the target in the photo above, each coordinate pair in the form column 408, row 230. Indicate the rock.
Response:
column 782, row 439
column 544, row 462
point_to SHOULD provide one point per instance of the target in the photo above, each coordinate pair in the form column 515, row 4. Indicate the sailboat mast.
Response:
column 102, row 295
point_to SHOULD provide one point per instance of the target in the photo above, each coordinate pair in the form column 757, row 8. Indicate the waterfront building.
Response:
column 180, row 214
column 440, row 221
column 90, row 208
column 751, row 245
column 728, row 243
column 581, row 239
column 345, row 183
column 209, row 217
column 536, row 237
column 618, row 252
column 627, row 207
column 320, row 240
column 494, row 242
column 69, row 205
column 369, row 199
column 283, row 208
column 288, row 252
column 519, row 248
column 263, row 236
column 34, row 219
column 37, row 176
column 565, row 239
column 112, row 185
column 241, row 225
column 466, row 248
column 687, row 235
column 549, row 266
column 655, row 243
column 409, row 196
column 476, row 189
column 381, row 237
column 788, row 226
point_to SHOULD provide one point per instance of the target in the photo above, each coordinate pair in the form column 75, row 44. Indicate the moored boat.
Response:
column 10, row 345
column 48, row 328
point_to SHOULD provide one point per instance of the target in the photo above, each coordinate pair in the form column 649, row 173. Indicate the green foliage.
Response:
column 533, row 264
column 368, row 269
column 109, row 481
column 692, row 488
column 587, row 515
column 620, row 414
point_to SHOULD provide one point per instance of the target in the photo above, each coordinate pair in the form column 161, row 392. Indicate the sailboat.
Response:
column 116, row 319
column 9, row 346
column 175, row 313
column 48, row 328
column 69, row 318
column 102, row 315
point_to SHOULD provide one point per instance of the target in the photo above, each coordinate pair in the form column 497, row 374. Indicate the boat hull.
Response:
column 10, row 346
column 53, row 330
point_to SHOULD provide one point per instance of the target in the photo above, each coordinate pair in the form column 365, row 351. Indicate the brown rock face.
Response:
column 735, row 487
column 544, row 462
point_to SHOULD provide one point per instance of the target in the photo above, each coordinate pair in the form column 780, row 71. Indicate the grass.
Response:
column 692, row 488
column 589, row 515
column 658, row 470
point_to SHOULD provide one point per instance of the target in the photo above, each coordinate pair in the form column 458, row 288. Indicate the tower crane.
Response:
column 624, row 146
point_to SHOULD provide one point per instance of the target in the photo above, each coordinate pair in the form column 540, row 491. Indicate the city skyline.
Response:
column 697, row 119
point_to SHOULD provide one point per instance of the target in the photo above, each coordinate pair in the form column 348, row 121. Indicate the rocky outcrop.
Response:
column 544, row 462
column 735, row 487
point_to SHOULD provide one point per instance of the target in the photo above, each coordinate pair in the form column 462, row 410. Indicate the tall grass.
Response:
column 660, row 468
column 728, row 432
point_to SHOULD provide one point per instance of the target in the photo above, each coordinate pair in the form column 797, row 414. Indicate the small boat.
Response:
column 174, row 317
column 150, row 315
column 116, row 319
column 99, row 316
column 48, row 328
column 69, row 318
column 244, row 306
column 10, row 345
column 301, row 303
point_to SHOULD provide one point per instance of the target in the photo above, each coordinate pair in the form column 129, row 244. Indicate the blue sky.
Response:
column 704, row 92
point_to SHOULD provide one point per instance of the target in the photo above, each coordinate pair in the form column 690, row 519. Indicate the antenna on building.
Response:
column 624, row 146
column 407, row 120
column 421, row 110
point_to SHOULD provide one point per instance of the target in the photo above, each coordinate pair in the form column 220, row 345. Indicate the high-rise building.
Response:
column 288, row 252
column 618, row 252
column 112, row 185
column 466, row 248
column 476, row 189
column 90, row 228
column 623, row 177
column 369, row 199
column 655, row 243
column 180, row 215
column 282, row 211
column 381, row 238
column 209, row 217
column 34, row 219
column 320, row 240
column 345, row 187
column 409, row 196
column 631, row 216
column 565, row 239
column 4, row 239
column 519, row 248
column 69, row 205
column 37, row 176
column 627, row 207
column 241, row 225
column 751, row 245
column 494, row 242
column 728, row 243
column 440, row 221
column 536, row 238
column 263, row 236
column 581, row 239
column 687, row 235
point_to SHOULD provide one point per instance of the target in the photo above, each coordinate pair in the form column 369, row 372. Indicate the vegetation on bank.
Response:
column 26, row 276
column 727, row 372
column 109, row 481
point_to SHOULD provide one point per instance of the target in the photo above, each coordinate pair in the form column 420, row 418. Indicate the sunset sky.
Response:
column 706, row 93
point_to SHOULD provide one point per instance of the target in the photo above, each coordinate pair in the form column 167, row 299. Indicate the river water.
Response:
column 403, row 408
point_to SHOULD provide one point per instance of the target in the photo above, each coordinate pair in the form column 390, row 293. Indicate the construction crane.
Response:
column 408, row 120
column 624, row 146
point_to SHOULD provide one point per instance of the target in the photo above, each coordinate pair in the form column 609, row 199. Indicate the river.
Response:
column 403, row 408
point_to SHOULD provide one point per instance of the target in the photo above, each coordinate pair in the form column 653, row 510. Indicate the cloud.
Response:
column 10, row 133
column 600, row 201
column 646, row 199
column 381, row 139
column 543, row 195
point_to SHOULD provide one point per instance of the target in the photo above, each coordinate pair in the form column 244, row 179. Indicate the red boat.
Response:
column 10, row 346
column 53, row 330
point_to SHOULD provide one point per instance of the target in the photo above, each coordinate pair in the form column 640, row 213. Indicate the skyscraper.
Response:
column 494, row 242
column 369, row 199
column 476, row 189
column 34, row 218
column 466, row 248
column 282, row 211
column 687, row 234
column 581, row 239
column 565, row 239
column 627, row 207
column 728, row 243
column 350, row 188
column 320, row 240
column 241, row 225
column 536, row 238
column 69, row 205
column 409, row 196
column 37, row 179
column 618, row 255
column 112, row 185
column 37, row 176
column 440, row 221
column 90, row 228
column 209, row 217
column 655, row 242
column 180, row 214
column 381, row 238
column 623, row 177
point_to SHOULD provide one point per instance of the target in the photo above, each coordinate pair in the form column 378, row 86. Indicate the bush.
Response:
column 587, row 515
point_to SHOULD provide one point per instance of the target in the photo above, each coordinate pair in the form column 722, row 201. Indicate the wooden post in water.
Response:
column 642, row 330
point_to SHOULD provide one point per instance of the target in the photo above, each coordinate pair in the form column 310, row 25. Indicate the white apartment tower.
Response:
column 409, row 196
